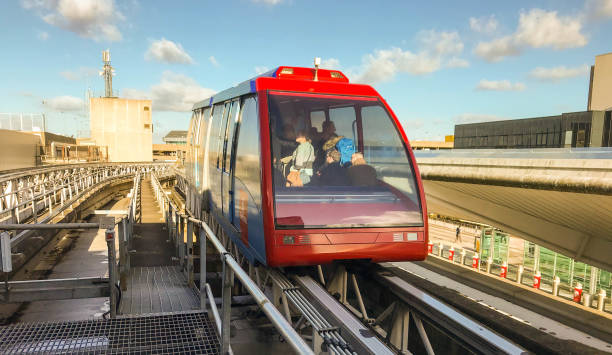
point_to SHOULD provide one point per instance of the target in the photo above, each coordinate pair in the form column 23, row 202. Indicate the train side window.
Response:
column 229, row 134
column 383, row 146
column 213, row 146
column 196, row 145
column 343, row 118
column 203, row 122
column 316, row 119
column 223, row 135
column 247, row 149
column 189, row 157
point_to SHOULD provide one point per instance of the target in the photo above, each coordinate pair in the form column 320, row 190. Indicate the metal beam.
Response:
column 353, row 331
column 57, row 289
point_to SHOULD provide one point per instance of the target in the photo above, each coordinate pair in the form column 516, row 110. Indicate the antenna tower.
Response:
column 107, row 72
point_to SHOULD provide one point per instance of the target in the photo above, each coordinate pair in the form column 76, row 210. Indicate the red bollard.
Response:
column 476, row 261
column 429, row 248
column 577, row 292
column 536, row 280
column 451, row 254
column 504, row 270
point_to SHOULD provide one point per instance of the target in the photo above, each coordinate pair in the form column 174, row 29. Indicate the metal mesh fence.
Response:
column 164, row 333
column 28, row 122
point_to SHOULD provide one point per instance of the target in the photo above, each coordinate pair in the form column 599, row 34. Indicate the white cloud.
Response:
column 476, row 117
column 260, row 70
column 484, row 24
column 65, row 103
column 500, row 85
column 598, row 9
column 330, row 63
column 496, row 50
column 79, row 74
column 455, row 62
column 95, row 19
column 558, row 73
column 213, row 60
column 539, row 28
column 536, row 29
column 174, row 92
column 383, row 65
column 43, row 36
column 166, row 51
column 441, row 43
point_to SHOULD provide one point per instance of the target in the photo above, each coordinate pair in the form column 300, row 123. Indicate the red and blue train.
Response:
column 301, row 167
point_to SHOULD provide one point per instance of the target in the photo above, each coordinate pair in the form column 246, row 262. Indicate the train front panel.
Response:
column 339, row 179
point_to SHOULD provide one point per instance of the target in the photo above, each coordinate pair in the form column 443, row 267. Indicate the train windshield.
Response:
column 339, row 162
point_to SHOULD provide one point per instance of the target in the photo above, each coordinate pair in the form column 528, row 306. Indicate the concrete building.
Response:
column 124, row 126
column 600, row 88
column 573, row 129
column 18, row 150
column 175, row 137
column 169, row 152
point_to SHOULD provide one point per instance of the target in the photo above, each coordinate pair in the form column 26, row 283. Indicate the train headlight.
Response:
column 289, row 239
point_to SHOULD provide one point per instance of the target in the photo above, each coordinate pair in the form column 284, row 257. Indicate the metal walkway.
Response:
column 158, row 289
column 164, row 333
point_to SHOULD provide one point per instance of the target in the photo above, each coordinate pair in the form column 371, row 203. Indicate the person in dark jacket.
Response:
column 331, row 173
column 360, row 173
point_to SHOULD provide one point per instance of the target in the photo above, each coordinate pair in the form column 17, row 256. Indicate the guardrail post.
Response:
column 122, row 255
column 189, row 251
column 601, row 297
column 519, row 274
column 226, row 297
column 184, row 241
column 556, row 284
column 169, row 215
column 203, row 269
column 6, row 264
column 586, row 299
column 176, row 232
column 110, row 244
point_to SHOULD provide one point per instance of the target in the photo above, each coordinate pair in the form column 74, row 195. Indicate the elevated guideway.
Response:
column 558, row 198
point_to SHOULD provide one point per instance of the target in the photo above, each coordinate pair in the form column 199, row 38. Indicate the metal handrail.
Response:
column 230, row 268
column 125, row 229
column 273, row 314
column 66, row 186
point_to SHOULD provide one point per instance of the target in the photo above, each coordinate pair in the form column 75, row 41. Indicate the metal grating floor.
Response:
column 166, row 333
column 157, row 289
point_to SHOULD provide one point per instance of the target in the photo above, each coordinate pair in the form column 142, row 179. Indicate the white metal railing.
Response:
column 39, row 197
column 50, row 289
column 176, row 222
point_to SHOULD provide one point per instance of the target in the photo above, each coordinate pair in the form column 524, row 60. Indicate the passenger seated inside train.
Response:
column 325, row 141
column 301, row 161
column 331, row 173
column 346, row 147
column 360, row 173
column 282, row 144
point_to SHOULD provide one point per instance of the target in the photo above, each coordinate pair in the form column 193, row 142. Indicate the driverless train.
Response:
column 301, row 167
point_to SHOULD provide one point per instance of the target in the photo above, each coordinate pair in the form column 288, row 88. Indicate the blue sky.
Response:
column 436, row 63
